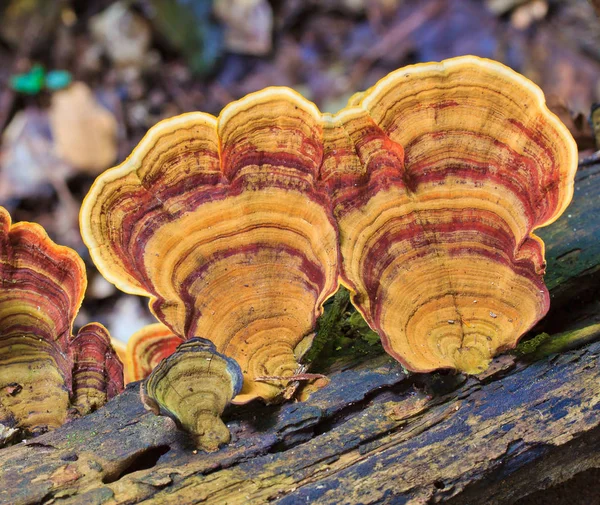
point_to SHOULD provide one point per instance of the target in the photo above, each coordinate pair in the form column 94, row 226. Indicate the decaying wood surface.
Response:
column 373, row 435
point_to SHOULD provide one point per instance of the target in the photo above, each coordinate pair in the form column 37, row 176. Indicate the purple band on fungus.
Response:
column 428, row 185
column 438, row 245
column 223, row 224
column 41, row 291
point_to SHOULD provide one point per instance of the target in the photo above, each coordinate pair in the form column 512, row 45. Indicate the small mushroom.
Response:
column 146, row 348
column 41, row 291
column 42, row 286
column 97, row 370
column 440, row 174
column 226, row 227
column 193, row 386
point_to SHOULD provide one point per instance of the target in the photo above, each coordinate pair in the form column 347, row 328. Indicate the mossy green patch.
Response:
column 544, row 344
column 341, row 333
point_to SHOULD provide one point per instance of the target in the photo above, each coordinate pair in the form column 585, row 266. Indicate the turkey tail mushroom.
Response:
column 429, row 185
column 440, row 173
column 146, row 348
column 193, row 386
column 42, row 289
column 224, row 225
column 97, row 369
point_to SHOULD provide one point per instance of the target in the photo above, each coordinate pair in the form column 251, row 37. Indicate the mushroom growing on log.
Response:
column 97, row 369
column 437, row 178
column 42, row 289
column 439, row 175
column 193, row 386
column 223, row 224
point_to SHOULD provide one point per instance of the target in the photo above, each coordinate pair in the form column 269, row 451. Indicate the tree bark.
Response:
column 375, row 434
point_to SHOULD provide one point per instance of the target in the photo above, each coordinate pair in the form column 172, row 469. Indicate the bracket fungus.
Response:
column 429, row 187
column 224, row 225
column 193, row 386
column 146, row 348
column 439, row 175
column 97, row 369
column 41, row 291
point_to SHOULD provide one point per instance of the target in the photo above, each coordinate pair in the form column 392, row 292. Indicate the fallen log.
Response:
column 374, row 434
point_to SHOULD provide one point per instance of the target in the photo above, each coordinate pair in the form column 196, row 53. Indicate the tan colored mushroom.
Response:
column 41, row 290
column 193, row 386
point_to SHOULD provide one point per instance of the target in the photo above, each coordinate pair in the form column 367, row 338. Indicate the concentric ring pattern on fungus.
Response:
column 193, row 386
column 146, row 348
column 222, row 223
column 436, row 177
column 97, row 369
column 42, row 288
column 44, row 370
column 439, row 174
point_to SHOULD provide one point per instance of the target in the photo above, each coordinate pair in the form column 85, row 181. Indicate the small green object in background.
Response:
column 30, row 83
column 58, row 79
column 188, row 27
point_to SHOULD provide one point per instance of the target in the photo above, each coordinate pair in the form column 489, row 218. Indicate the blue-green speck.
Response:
column 30, row 83
column 58, row 79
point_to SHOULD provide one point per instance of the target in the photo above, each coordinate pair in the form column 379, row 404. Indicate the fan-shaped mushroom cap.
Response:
column 147, row 348
column 97, row 370
column 41, row 291
column 193, row 386
column 439, row 174
column 222, row 223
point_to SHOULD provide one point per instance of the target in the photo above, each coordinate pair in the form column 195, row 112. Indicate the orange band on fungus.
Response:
column 222, row 223
column 42, row 288
column 120, row 349
column 436, row 177
column 440, row 173
column 147, row 348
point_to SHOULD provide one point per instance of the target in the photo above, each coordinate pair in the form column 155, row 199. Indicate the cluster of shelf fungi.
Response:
column 421, row 197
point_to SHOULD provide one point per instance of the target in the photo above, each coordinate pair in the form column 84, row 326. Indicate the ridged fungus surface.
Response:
column 436, row 179
column 146, row 348
column 439, row 175
column 42, row 289
column 97, row 369
column 193, row 386
column 223, row 224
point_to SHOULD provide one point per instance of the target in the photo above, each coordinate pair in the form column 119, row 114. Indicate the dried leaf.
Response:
column 85, row 133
